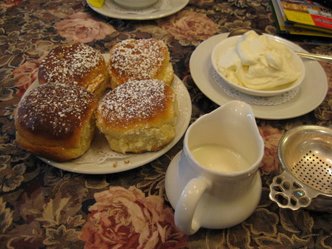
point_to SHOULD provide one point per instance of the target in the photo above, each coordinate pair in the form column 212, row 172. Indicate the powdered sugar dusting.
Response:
column 137, row 59
column 69, row 63
column 54, row 109
column 134, row 100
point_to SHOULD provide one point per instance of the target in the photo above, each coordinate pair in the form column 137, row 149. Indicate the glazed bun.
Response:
column 56, row 121
column 138, row 116
column 143, row 59
column 75, row 63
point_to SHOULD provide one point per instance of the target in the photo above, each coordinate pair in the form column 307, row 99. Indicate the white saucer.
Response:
column 161, row 9
column 216, row 214
column 311, row 93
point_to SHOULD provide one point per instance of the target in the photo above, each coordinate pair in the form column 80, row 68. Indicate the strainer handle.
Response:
column 287, row 192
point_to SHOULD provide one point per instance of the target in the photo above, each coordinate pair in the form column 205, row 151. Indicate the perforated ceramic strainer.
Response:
column 305, row 154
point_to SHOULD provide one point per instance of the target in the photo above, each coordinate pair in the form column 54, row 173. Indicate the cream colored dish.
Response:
column 258, row 65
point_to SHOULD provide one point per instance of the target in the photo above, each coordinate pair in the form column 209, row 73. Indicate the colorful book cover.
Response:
column 307, row 12
column 285, row 27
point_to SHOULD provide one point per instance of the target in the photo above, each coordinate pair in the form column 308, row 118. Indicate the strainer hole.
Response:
column 298, row 193
column 293, row 201
column 279, row 180
column 286, row 185
column 277, row 188
column 304, row 200
column 296, row 185
column 281, row 199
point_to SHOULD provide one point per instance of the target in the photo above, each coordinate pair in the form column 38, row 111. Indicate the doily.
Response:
column 250, row 99
column 100, row 152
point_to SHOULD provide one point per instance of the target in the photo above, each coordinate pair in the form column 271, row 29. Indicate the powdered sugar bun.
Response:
column 138, row 116
column 75, row 63
column 135, row 59
column 56, row 121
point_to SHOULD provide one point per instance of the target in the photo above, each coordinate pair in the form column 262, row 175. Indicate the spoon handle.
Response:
column 320, row 57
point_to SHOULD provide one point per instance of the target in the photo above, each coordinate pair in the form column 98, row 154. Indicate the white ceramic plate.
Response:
column 99, row 159
column 161, row 9
column 311, row 93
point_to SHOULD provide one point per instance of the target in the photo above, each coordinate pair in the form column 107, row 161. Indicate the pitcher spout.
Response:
column 237, row 111
column 234, row 126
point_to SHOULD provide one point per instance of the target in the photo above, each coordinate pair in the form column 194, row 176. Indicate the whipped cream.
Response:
column 259, row 62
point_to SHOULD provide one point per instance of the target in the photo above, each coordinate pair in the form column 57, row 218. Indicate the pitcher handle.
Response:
column 187, row 204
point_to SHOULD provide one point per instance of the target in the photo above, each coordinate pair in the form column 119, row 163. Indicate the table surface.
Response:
column 45, row 207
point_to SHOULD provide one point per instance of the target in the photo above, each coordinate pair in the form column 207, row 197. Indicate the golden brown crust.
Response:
column 138, row 116
column 56, row 121
column 143, row 59
column 75, row 63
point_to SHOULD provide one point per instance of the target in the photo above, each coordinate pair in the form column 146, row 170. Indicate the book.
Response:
column 306, row 13
column 297, row 18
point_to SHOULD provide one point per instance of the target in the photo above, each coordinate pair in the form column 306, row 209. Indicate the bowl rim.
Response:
column 281, row 156
column 254, row 92
column 138, row 4
column 295, row 130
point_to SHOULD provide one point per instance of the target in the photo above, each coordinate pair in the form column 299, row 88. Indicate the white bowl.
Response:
column 135, row 4
column 223, row 47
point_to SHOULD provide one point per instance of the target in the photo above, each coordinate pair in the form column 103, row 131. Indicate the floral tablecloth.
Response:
column 44, row 207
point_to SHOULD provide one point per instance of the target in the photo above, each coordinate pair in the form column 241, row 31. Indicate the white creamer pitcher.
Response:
column 214, row 181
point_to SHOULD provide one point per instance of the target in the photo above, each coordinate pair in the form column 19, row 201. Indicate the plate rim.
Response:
column 109, row 164
column 159, row 14
column 263, row 112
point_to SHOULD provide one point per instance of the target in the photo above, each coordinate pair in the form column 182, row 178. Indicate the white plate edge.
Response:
column 157, row 15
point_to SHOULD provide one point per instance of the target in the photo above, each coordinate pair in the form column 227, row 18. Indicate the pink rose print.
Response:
column 9, row 3
column 124, row 218
column 201, row 2
column 25, row 75
column 271, row 138
column 190, row 27
column 81, row 27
